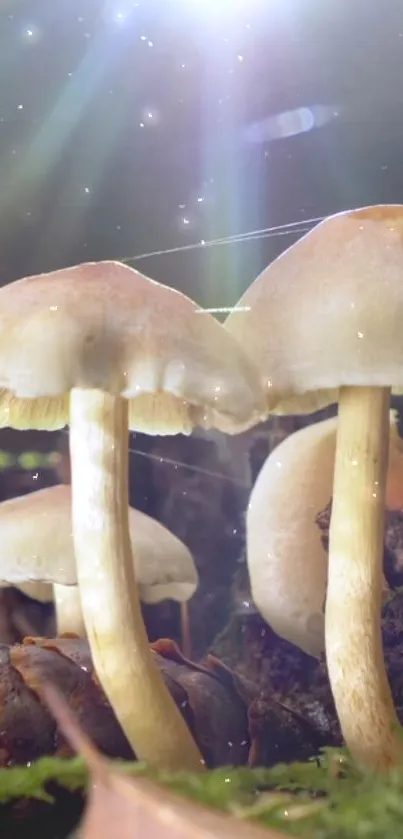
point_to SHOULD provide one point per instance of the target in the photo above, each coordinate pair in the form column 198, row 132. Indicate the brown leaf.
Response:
column 127, row 808
column 209, row 700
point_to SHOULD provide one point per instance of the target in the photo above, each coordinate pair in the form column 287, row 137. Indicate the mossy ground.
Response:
column 320, row 799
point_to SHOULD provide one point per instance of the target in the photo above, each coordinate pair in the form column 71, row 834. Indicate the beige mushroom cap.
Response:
column 37, row 546
column 106, row 326
column 328, row 312
column 286, row 558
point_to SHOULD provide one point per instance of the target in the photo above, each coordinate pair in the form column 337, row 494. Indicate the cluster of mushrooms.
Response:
column 105, row 350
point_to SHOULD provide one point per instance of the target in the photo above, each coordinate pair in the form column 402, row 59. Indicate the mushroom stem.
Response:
column 353, row 606
column 69, row 615
column 111, row 608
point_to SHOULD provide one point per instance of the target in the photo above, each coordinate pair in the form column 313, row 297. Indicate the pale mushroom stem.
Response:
column 69, row 615
column 111, row 608
column 353, row 606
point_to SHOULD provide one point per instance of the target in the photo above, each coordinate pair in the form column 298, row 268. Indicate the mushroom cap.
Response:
column 286, row 558
column 328, row 312
column 37, row 546
column 104, row 325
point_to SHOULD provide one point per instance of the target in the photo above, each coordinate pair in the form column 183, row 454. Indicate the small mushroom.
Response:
column 323, row 323
column 75, row 346
column 286, row 559
column 37, row 555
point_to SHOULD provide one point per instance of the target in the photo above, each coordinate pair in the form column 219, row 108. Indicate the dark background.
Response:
column 128, row 127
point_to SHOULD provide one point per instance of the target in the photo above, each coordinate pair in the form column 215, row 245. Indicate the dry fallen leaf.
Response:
column 212, row 700
column 127, row 808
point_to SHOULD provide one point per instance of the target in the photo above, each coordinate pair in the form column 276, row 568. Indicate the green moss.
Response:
column 30, row 781
column 323, row 800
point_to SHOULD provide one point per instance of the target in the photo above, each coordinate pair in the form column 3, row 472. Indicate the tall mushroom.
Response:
column 75, row 346
column 287, row 561
column 37, row 555
column 324, row 323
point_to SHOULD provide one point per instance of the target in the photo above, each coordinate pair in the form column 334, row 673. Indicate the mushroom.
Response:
column 286, row 559
column 38, row 556
column 324, row 323
column 75, row 346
